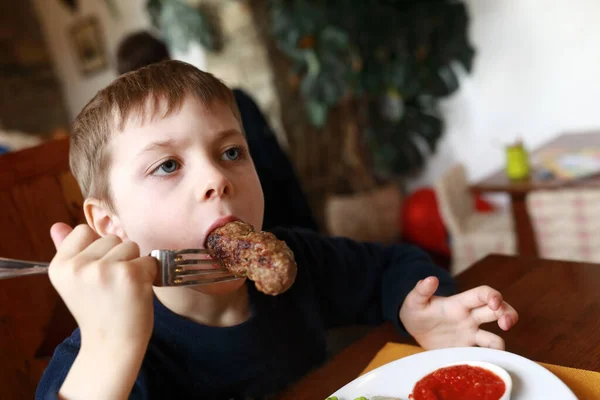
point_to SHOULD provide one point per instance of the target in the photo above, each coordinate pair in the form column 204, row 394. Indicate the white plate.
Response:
column 531, row 381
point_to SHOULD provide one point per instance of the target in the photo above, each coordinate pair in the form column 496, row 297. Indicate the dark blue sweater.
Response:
column 339, row 282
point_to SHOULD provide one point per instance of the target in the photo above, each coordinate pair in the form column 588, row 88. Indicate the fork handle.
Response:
column 10, row 268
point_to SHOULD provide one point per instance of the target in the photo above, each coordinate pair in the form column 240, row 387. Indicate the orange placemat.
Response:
column 585, row 384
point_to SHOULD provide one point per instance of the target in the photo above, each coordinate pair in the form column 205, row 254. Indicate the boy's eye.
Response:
column 232, row 154
column 166, row 168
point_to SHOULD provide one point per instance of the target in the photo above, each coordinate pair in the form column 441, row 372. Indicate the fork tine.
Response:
column 177, row 270
column 192, row 261
column 199, row 272
column 181, row 282
column 191, row 251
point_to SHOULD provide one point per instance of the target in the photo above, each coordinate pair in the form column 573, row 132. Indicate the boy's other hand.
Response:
column 437, row 322
column 106, row 285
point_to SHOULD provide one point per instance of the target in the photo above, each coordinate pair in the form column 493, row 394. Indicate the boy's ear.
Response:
column 101, row 219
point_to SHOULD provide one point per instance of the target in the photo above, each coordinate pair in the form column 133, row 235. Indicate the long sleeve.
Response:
column 60, row 365
column 361, row 283
column 58, row 368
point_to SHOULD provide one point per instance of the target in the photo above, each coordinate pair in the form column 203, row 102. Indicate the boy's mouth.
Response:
column 217, row 224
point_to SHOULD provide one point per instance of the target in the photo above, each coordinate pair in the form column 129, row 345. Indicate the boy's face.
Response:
column 171, row 179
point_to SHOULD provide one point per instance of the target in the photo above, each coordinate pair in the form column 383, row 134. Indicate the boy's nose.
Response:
column 217, row 186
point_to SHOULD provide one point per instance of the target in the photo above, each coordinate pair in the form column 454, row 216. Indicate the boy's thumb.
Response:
column 423, row 291
column 58, row 232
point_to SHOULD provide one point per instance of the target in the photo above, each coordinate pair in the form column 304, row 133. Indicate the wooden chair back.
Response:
column 36, row 190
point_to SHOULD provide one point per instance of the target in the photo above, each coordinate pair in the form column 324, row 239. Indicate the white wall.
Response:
column 536, row 74
column 56, row 19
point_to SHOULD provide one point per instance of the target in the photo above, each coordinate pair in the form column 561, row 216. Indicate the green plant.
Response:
column 181, row 22
column 394, row 58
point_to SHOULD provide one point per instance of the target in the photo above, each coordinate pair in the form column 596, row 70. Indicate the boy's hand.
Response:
column 437, row 322
column 106, row 285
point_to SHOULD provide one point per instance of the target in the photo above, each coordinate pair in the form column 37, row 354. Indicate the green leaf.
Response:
column 392, row 107
column 153, row 7
column 430, row 128
column 309, row 87
column 444, row 82
column 334, row 38
column 180, row 24
column 317, row 113
column 466, row 56
column 410, row 158
column 448, row 76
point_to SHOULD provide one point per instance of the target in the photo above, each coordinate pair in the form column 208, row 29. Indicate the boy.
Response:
column 286, row 204
column 161, row 160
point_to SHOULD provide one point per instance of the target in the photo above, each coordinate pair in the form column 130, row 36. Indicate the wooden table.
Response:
column 558, row 304
column 498, row 182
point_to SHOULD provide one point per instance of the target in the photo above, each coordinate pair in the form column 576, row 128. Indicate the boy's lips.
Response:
column 217, row 224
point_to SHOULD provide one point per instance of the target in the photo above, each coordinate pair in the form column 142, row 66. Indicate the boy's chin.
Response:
column 220, row 288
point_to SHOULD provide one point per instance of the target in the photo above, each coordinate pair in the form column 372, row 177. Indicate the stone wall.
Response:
column 30, row 95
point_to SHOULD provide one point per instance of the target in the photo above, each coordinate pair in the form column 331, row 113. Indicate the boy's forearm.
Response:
column 103, row 372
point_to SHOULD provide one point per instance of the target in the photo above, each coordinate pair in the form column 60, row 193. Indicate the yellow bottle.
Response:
column 517, row 162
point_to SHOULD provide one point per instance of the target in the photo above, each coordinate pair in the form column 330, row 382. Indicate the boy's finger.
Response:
column 423, row 291
column 485, row 314
column 76, row 241
column 123, row 252
column 489, row 340
column 509, row 319
column 148, row 266
column 481, row 296
column 58, row 232
column 101, row 247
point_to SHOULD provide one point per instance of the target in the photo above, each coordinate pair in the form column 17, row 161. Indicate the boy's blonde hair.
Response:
column 140, row 93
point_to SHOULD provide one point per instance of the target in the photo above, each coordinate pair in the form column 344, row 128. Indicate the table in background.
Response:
column 498, row 182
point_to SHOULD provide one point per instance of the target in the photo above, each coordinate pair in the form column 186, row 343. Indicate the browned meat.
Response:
column 260, row 256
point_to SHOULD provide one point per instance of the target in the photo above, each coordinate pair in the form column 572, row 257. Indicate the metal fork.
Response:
column 176, row 268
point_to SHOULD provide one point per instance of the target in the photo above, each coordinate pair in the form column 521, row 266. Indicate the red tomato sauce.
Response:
column 460, row 382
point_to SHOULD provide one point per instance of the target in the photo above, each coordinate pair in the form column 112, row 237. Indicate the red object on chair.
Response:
column 422, row 223
column 482, row 205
